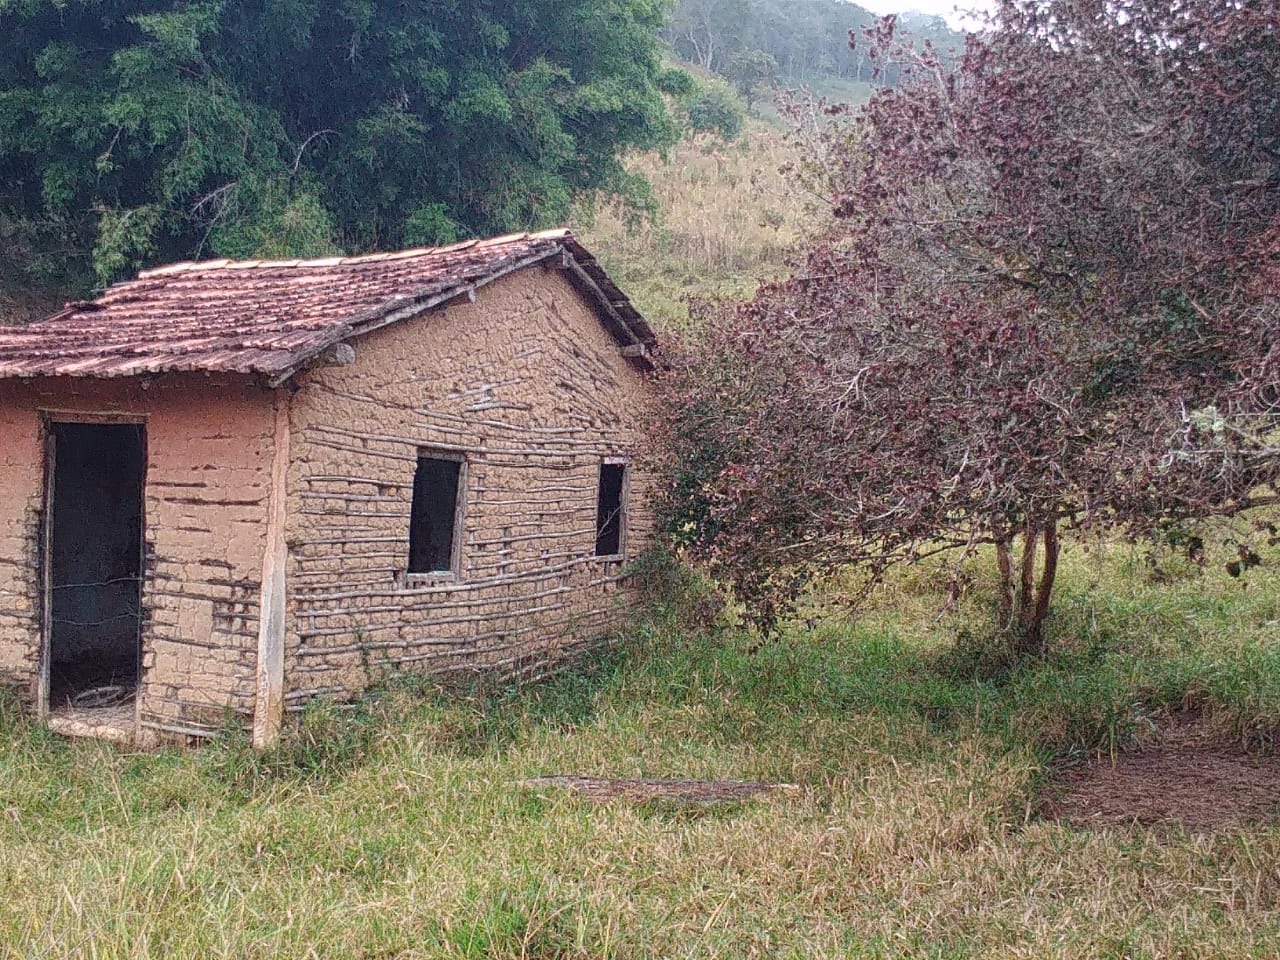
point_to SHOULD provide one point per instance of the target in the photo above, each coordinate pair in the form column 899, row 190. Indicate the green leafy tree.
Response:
column 752, row 73
column 714, row 109
column 133, row 131
column 706, row 32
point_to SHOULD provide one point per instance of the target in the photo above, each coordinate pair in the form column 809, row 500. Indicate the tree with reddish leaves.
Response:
column 1047, row 299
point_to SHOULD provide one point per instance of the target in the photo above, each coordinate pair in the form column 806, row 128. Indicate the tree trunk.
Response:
column 1024, row 604
column 1004, row 558
column 1034, row 628
column 1028, row 586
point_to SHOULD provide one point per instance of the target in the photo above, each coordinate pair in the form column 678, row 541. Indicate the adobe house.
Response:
column 235, row 486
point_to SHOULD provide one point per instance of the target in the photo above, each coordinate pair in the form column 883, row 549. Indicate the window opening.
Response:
column 434, row 516
column 609, row 509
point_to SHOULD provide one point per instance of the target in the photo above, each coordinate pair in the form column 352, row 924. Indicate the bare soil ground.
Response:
column 1186, row 774
column 603, row 789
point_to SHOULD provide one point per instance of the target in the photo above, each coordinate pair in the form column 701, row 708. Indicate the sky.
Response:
column 941, row 8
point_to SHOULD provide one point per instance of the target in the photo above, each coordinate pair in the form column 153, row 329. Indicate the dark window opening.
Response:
column 95, row 559
column 609, row 506
column 434, row 516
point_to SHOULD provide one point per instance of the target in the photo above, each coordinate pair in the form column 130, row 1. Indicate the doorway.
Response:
column 93, row 570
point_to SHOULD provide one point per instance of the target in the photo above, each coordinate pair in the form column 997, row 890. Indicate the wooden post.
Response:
column 269, row 707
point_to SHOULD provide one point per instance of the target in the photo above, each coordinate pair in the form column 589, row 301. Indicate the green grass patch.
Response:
column 399, row 829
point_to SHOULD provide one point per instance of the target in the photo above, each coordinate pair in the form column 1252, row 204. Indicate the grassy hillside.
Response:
column 831, row 89
column 403, row 832
column 728, row 218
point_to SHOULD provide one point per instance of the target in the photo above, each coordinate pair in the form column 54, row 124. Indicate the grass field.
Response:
column 831, row 89
column 728, row 217
column 402, row 831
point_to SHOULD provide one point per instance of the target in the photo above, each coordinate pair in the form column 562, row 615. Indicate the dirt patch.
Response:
column 602, row 789
column 1187, row 774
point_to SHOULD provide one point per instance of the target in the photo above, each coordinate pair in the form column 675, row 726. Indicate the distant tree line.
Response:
column 804, row 40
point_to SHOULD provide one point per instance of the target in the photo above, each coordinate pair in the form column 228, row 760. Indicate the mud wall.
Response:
column 525, row 384
column 209, row 444
column 21, row 502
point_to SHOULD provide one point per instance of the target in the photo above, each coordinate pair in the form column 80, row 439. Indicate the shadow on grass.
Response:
column 1120, row 659
column 489, row 713
column 463, row 716
column 1116, row 663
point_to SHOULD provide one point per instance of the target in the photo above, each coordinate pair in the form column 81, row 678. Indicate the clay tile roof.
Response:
column 273, row 317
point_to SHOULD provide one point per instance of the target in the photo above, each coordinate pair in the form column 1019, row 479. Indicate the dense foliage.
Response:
column 141, row 130
column 1047, row 299
column 711, row 108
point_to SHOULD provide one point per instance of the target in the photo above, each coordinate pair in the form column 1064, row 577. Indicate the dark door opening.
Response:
column 94, row 556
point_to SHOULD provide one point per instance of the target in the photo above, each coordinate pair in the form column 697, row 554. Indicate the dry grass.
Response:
column 727, row 218
column 404, row 831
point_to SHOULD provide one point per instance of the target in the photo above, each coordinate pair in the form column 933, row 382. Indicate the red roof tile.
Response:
column 273, row 317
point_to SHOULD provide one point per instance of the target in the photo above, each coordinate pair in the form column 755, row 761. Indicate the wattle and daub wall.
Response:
column 527, row 386
column 524, row 385
column 209, row 447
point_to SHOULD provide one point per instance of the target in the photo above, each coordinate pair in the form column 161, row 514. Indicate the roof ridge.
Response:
column 191, row 266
